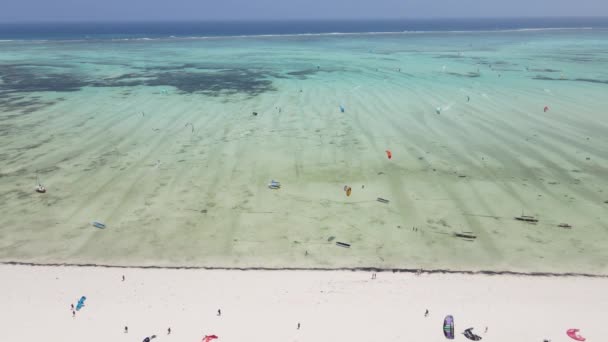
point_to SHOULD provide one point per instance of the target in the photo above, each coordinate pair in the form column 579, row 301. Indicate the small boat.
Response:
column 525, row 218
column 274, row 185
column 99, row 225
column 40, row 189
column 564, row 225
column 342, row 244
column 465, row 235
column 382, row 200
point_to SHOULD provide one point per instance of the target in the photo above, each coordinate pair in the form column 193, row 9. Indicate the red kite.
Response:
column 573, row 334
column 208, row 338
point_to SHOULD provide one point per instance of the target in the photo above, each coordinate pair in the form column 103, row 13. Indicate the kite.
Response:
column 80, row 303
column 573, row 334
column 468, row 333
column 208, row 338
column 448, row 327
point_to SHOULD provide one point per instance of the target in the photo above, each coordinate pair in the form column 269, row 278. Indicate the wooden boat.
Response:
column 526, row 218
column 99, row 225
column 274, row 185
column 382, row 200
column 342, row 244
column 465, row 235
column 564, row 225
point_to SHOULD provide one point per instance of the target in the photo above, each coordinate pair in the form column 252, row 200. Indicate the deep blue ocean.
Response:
column 121, row 30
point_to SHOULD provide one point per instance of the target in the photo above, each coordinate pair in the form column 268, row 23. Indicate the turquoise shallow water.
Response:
column 92, row 118
column 255, row 65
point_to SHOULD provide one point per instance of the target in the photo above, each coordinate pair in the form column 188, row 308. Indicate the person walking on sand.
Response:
column 126, row 329
column 298, row 325
column 485, row 330
column 219, row 312
column 169, row 331
column 72, row 307
column 426, row 313
column 123, row 278
column 73, row 313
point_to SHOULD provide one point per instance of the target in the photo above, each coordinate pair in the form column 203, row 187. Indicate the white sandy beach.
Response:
column 268, row 305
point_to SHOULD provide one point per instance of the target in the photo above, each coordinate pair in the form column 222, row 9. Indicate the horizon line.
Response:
column 281, row 20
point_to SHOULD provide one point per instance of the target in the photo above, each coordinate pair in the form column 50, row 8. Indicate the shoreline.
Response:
column 313, row 269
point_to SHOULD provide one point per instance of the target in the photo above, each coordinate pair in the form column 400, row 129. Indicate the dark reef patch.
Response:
column 589, row 80
column 217, row 83
column 544, row 70
column 468, row 74
column 212, row 80
column 450, row 56
column 9, row 105
column 25, row 78
column 305, row 73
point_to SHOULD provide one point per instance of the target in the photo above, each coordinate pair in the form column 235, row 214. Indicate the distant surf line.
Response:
column 287, row 35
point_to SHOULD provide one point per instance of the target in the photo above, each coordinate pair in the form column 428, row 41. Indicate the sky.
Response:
column 170, row 10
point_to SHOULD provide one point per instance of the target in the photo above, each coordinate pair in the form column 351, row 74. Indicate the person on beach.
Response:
column 126, row 329
column 485, row 330
column 73, row 313
column 426, row 313
column 72, row 307
column 219, row 312
column 298, row 325
column 123, row 278
column 169, row 331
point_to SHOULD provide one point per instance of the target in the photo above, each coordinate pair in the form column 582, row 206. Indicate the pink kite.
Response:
column 573, row 334
column 208, row 338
